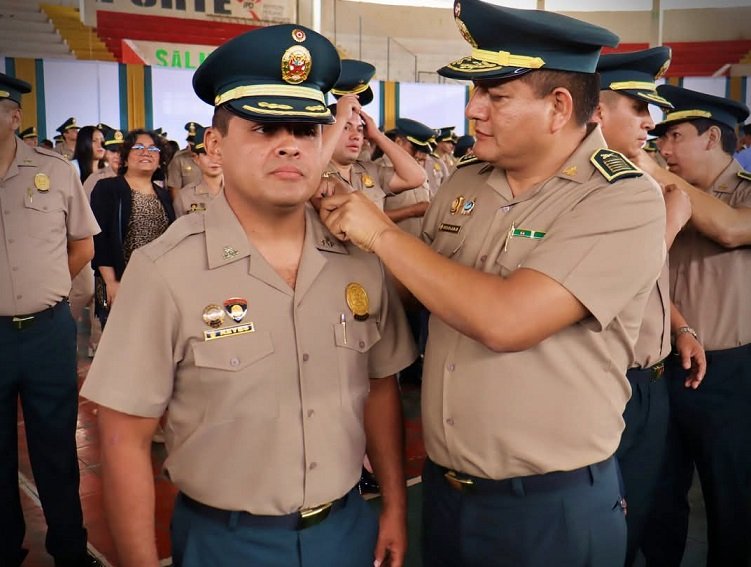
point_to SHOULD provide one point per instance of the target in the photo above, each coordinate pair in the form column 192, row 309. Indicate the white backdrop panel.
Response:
column 434, row 105
column 710, row 85
column 73, row 88
column 175, row 103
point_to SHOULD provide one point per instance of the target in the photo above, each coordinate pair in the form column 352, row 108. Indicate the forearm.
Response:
column 128, row 487
column 108, row 274
column 408, row 174
column 80, row 253
column 384, row 430
column 408, row 212
column 676, row 319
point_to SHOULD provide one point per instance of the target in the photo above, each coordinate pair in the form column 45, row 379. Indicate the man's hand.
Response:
column 347, row 107
column 354, row 217
column 693, row 359
column 371, row 129
column 646, row 163
column 391, row 545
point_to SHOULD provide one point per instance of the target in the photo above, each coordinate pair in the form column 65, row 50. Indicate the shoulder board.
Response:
column 467, row 159
column 614, row 165
column 178, row 231
column 745, row 175
column 50, row 153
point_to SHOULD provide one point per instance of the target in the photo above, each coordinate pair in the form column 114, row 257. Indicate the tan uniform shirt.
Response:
column 653, row 344
column 102, row 173
column 182, row 170
column 421, row 194
column 557, row 405
column 42, row 206
column 437, row 173
column 372, row 178
column 449, row 161
column 193, row 198
column 65, row 152
column 268, row 421
column 710, row 284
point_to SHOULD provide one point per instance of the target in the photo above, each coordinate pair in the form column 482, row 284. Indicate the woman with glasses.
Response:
column 131, row 209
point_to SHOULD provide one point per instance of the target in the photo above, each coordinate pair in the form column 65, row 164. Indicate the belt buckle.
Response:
column 458, row 483
column 19, row 323
column 657, row 371
column 313, row 516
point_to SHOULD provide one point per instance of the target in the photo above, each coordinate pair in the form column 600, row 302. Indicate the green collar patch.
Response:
column 467, row 159
column 745, row 175
column 614, row 165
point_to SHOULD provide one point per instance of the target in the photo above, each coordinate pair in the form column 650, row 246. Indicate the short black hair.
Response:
column 130, row 141
column 584, row 89
column 728, row 139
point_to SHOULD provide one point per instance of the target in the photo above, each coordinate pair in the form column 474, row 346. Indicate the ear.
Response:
column 212, row 141
column 562, row 108
column 714, row 137
column 598, row 115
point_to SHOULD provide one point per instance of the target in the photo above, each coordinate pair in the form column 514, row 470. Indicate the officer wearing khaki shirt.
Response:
column 538, row 264
column 273, row 345
column 627, row 87
column 194, row 198
column 710, row 268
column 69, row 134
column 182, row 170
column 46, row 230
column 445, row 142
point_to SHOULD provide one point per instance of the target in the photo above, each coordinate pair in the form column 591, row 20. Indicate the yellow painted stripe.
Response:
column 735, row 88
column 136, row 99
column 389, row 105
column 675, row 81
column 471, row 125
column 26, row 71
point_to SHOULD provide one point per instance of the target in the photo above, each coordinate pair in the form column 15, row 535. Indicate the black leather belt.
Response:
column 21, row 322
column 556, row 480
column 300, row 520
column 646, row 375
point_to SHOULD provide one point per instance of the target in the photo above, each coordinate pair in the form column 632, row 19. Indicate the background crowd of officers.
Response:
column 575, row 282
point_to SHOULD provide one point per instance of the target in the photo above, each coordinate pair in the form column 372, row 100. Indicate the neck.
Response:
column 344, row 169
column 214, row 183
column 138, row 180
column 545, row 165
column 70, row 146
column 265, row 222
column 7, row 154
column 713, row 170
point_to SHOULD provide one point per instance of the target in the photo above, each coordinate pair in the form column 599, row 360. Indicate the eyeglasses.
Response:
column 150, row 149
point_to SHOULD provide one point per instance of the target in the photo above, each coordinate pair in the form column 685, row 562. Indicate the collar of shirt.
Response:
column 728, row 180
column 25, row 157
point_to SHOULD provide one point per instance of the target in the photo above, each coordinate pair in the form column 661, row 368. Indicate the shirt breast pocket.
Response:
column 513, row 255
column 237, row 375
column 44, row 214
column 353, row 340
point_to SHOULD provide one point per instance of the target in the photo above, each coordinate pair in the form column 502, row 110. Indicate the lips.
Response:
column 287, row 172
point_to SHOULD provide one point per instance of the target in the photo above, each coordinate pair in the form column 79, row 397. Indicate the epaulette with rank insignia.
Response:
column 745, row 175
column 467, row 159
column 50, row 153
column 614, row 165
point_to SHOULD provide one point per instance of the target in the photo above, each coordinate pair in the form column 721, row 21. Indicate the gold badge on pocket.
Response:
column 42, row 182
column 213, row 316
column 357, row 300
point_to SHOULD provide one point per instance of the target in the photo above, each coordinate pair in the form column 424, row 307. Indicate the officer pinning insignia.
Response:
column 42, row 182
column 229, row 252
column 745, row 175
column 367, row 180
column 213, row 316
column 456, row 205
column 614, row 165
column 357, row 301
column 236, row 307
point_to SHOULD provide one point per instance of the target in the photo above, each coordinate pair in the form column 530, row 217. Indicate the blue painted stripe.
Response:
column 148, row 99
column 41, row 106
column 467, row 91
column 10, row 66
column 382, row 105
column 122, row 75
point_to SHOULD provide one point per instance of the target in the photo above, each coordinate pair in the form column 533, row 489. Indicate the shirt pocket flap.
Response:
column 233, row 353
column 358, row 335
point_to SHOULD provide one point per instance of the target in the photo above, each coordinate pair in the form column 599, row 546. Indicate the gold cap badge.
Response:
column 42, row 182
column 357, row 300
column 296, row 65
column 367, row 180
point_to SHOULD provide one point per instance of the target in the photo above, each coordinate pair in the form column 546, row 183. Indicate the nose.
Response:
column 287, row 144
column 476, row 107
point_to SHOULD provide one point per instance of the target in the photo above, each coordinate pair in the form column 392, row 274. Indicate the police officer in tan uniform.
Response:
column 194, row 198
column 627, row 87
column 113, row 141
column 710, row 269
column 445, row 142
column 69, row 134
column 537, row 264
column 182, row 170
column 46, row 229
column 29, row 136
column 273, row 344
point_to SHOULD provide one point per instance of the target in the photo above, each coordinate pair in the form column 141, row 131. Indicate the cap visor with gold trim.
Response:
column 355, row 79
column 509, row 41
column 12, row 88
column 28, row 133
column 691, row 105
column 446, row 134
column 69, row 124
column 634, row 73
column 198, row 146
column 273, row 74
column 416, row 132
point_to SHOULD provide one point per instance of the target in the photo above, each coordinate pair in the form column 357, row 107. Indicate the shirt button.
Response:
column 11, row 241
column 450, row 421
column 19, row 297
column 483, row 258
column 6, row 211
column 450, row 367
column 15, row 268
column 234, row 361
column 361, row 344
column 305, row 357
column 311, row 413
column 313, row 465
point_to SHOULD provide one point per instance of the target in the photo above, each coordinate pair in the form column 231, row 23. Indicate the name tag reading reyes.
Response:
column 228, row 332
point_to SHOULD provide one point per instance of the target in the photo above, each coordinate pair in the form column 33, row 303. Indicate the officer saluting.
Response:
column 273, row 344
column 45, row 239
column 537, row 263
